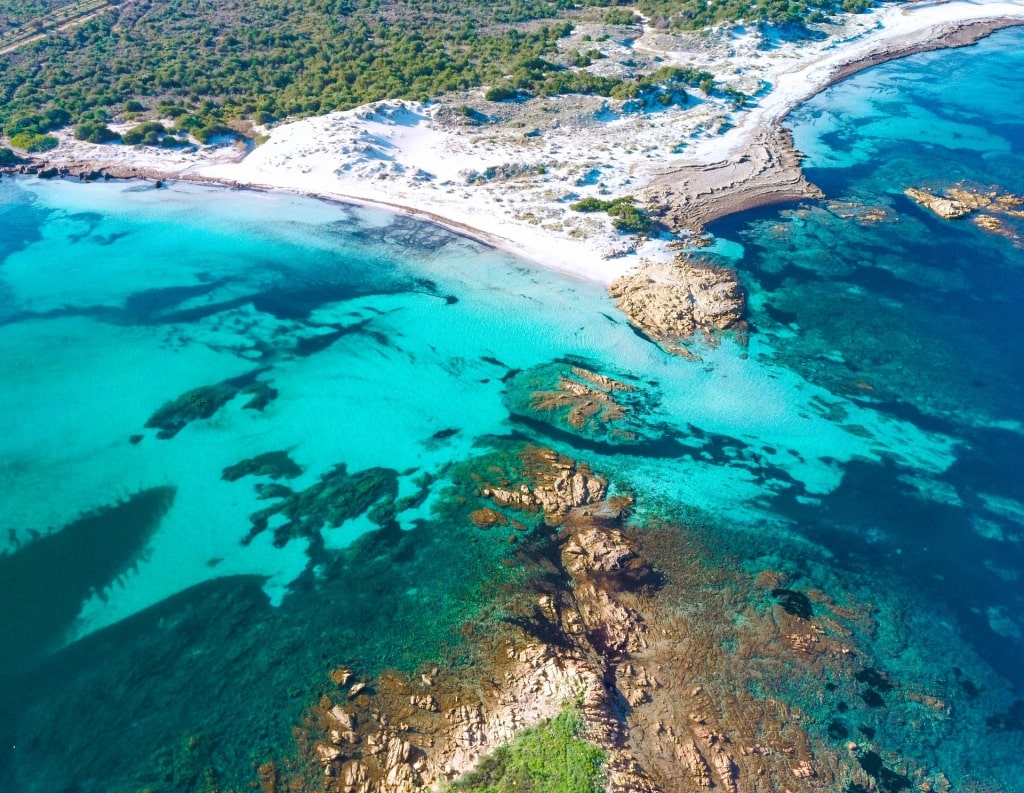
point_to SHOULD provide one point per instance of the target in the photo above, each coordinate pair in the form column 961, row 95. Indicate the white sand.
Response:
column 415, row 157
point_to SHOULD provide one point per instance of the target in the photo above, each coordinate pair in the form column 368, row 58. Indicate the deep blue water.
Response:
column 868, row 439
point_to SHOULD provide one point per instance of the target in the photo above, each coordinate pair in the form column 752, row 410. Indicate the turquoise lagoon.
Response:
column 868, row 437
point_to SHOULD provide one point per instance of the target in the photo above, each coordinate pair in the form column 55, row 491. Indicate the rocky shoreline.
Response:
column 655, row 648
column 767, row 172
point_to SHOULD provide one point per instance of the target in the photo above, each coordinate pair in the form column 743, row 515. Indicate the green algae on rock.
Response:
column 337, row 497
column 572, row 395
column 276, row 465
column 203, row 402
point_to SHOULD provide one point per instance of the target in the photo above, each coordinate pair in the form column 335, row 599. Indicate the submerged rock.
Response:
column 671, row 303
column 571, row 396
column 337, row 497
column 276, row 465
column 203, row 402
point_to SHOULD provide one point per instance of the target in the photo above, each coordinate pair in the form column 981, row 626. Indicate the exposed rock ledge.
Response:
column 768, row 172
column 670, row 303
column 399, row 735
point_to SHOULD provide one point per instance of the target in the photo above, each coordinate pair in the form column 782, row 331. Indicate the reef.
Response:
column 276, row 465
column 671, row 303
column 990, row 210
column 687, row 673
column 572, row 396
column 338, row 496
column 203, row 402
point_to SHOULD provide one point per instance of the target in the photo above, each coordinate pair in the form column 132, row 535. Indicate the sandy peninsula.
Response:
column 506, row 173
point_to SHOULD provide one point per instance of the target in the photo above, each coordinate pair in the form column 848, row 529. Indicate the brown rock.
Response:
column 948, row 208
column 670, row 303
column 487, row 518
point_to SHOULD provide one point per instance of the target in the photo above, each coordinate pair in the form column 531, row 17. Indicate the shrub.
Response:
column 95, row 132
column 549, row 758
column 33, row 142
column 499, row 93
column 590, row 204
column 206, row 133
column 619, row 16
column 148, row 133
column 7, row 157
column 625, row 216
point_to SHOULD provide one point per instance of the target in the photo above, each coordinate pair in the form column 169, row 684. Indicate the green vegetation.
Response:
column 695, row 14
column 625, row 216
column 216, row 63
column 14, row 13
column 148, row 134
column 95, row 132
column 7, row 157
column 28, row 131
column 546, row 759
column 237, row 59
column 33, row 142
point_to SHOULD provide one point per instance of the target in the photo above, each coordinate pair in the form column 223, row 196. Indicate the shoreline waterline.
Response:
column 717, row 191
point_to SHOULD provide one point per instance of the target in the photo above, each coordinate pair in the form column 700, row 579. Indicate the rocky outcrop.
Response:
column 558, row 485
column 947, row 208
column 992, row 211
column 568, row 396
column 768, row 172
column 398, row 734
column 671, row 303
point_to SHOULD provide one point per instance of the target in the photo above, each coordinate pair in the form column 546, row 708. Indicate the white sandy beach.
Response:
column 544, row 154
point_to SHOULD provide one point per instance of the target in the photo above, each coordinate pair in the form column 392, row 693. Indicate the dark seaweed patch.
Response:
column 866, row 731
column 43, row 585
column 337, row 497
column 888, row 780
column 202, row 402
column 966, row 685
column 795, row 603
column 837, row 730
column 276, row 465
column 872, row 698
column 1010, row 719
column 874, row 678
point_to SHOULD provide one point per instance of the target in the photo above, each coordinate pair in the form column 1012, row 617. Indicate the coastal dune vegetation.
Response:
column 208, row 65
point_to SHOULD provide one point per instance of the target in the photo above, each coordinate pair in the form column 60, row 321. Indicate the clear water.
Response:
column 868, row 436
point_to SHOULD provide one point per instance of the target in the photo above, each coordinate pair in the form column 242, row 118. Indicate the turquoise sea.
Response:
column 230, row 422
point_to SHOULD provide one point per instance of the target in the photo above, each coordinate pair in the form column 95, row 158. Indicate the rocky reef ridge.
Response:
column 990, row 210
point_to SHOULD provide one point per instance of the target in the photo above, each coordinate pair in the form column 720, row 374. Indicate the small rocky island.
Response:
column 673, row 303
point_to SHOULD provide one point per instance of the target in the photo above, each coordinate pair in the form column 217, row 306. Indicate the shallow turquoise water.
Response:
column 868, row 437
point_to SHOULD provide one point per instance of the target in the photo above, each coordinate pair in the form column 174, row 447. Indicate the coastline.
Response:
column 412, row 159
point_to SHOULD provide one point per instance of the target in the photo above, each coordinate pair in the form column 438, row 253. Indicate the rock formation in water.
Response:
column 686, row 198
column 682, row 670
column 992, row 211
column 572, row 396
column 671, row 303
